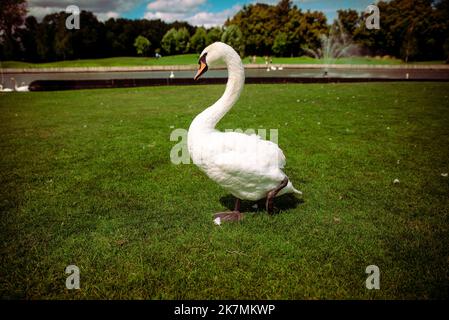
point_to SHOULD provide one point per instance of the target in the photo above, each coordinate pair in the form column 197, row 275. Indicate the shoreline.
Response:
column 247, row 66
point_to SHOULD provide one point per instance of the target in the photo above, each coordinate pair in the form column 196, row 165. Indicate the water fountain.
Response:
column 336, row 44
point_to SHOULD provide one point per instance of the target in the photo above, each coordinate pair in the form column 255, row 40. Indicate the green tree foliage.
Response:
column 141, row 44
column 233, row 36
column 409, row 29
column 213, row 35
column 176, row 41
column 182, row 37
column 280, row 44
column 169, row 41
column 261, row 23
column 27, row 36
column 198, row 40
column 63, row 39
column 350, row 20
column 12, row 16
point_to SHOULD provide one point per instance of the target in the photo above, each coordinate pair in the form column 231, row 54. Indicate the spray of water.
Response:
column 336, row 44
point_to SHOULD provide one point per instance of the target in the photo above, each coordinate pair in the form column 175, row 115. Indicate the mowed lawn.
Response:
column 86, row 179
column 191, row 59
column 183, row 59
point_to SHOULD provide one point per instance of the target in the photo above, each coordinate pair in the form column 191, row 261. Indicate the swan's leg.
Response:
column 235, row 215
column 237, row 204
column 271, row 194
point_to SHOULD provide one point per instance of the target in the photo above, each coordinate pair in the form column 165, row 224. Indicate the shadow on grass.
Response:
column 281, row 203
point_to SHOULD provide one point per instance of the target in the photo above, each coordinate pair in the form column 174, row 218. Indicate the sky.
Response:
column 197, row 12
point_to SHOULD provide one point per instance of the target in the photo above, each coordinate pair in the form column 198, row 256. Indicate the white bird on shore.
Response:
column 172, row 75
column 247, row 166
column 22, row 88
column 273, row 68
column 5, row 89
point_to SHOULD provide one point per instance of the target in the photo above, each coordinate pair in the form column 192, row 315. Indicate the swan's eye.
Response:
column 202, row 58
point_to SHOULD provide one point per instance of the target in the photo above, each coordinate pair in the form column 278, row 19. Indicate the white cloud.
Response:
column 176, row 6
column 107, row 15
column 103, row 9
column 210, row 19
column 165, row 16
column 40, row 12
column 191, row 11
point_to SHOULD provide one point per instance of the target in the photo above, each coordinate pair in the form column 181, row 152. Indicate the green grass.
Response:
column 184, row 59
column 191, row 59
column 87, row 180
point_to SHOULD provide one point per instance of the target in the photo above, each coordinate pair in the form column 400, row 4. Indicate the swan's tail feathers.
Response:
column 296, row 191
column 290, row 189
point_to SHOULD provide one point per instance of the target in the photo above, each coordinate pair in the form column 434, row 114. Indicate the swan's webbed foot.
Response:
column 229, row 216
column 271, row 194
column 234, row 215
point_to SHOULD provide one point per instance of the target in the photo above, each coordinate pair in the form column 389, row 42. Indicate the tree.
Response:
column 168, row 42
column 410, row 29
column 198, row 40
column 176, row 41
column 28, row 39
column 233, row 36
column 142, row 44
column 12, row 15
column 261, row 23
column 213, row 35
column 280, row 44
column 62, row 42
column 89, row 40
column 257, row 23
column 182, row 40
column 349, row 19
column 409, row 46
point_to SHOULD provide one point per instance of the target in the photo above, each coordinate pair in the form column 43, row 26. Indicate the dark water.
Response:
column 378, row 73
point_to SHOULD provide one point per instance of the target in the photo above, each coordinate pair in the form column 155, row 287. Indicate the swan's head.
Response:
column 213, row 54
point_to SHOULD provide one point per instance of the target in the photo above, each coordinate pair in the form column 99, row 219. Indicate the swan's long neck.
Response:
column 208, row 119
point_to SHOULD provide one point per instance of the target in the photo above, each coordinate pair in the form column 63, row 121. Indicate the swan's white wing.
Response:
column 247, row 149
column 246, row 162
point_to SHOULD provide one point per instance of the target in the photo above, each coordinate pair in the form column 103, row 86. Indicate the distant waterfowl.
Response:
column 172, row 75
column 5, row 89
column 22, row 88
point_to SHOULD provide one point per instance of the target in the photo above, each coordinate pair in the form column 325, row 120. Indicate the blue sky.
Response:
column 197, row 12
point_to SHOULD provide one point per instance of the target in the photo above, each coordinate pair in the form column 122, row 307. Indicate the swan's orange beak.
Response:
column 202, row 68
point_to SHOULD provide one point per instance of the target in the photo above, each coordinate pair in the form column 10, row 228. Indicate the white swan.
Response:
column 5, row 89
column 22, row 88
column 245, row 165
column 172, row 75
